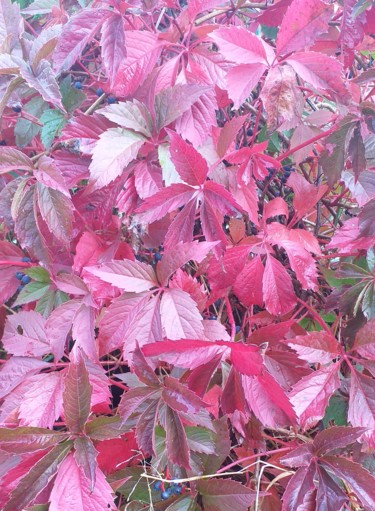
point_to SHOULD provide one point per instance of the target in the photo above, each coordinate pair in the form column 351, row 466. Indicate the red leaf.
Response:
column 306, row 195
column 278, row 290
column 176, row 441
column 299, row 490
column 180, row 398
column 362, row 390
column 364, row 343
column 302, row 24
column 113, row 45
column 190, row 165
column 361, row 481
column 248, row 284
column 117, row 453
column 335, row 438
column 330, row 495
column 311, row 394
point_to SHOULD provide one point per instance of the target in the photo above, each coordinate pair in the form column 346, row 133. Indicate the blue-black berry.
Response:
column 238, row 329
column 157, row 257
column 212, row 318
column 249, row 132
column 157, row 485
column 99, row 91
column 77, row 85
column 25, row 259
column 25, row 279
column 176, row 489
column 166, row 494
column 19, row 275
column 16, row 108
column 111, row 100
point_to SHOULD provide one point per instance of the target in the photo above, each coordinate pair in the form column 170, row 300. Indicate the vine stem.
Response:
column 307, row 142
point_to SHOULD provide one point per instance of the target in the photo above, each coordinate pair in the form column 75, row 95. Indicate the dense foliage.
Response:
column 187, row 263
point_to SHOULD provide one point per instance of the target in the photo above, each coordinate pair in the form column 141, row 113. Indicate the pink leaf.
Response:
column 315, row 347
column 15, row 370
column 190, row 165
column 57, row 211
column 143, row 50
column 72, row 491
column 85, row 457
column 167, row 200
column 239, row 45
column 311, row 394
column 303, row 22
column 306, row 195
column 113, row 45
column 278, row 290
column 321, row 72
column 42, row 409
column 364, row 343
column 24, row 334
column 12, row 159
column 133, row 276
column 242, row 79
column 179, row 255
column 248, row 284
column 180, row 316
column 76, row 34
column 362, row 389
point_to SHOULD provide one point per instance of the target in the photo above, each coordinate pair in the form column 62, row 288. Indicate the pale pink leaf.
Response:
column 315, row 347
column 311, row 394
column 71, row 490
column 59, row 324
column 242, row 79
column 42, row 409
column 131, row 276
column 25, row 335
column 57, row 211
column 43, row 80
column 180, row 316
column 15, row 370
column 239, row 45
column 83, row 332
column 132, row 115
column 115, row 149
column 113, row 44
column 303, row 22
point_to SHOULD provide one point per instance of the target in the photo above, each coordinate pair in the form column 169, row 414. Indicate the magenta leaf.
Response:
column 85, row 457
column 113, row 44
column 336, row 438
column 300, row 489
column 22, row 440
column 190, row 165
column 329, row 495
column 278, row 292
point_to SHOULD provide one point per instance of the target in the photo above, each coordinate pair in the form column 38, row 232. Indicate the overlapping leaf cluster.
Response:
column 187, row 206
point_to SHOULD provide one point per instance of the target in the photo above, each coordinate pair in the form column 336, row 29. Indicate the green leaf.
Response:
column 182, row 504
column 39, row 274
column 31, row 292
column 200, row 439
column 225, row 495
column 71, row 98
column 38, row 477
column 26, row 130
column 336, row 411
column 49, row 301
column 135, row 486
column 53, row 121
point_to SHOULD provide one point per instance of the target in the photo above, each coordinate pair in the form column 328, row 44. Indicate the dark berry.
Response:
column 16, row 109
column 19, row 275
column 176, row 489
column 287, row 168
column 217, row 304
column 77, row 85
column 25, row 279
column 111, row 100
column 249, row 132
column 157, row 257
column 2, row 142
column 138, row 257
column 165, row 494
column 238, row 329
column 283, row 180
column 99, row 91
column 212, row 318
column 157, row 485
column 25, row 259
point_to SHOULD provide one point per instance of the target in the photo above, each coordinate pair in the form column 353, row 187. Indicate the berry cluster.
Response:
column 167, row 491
